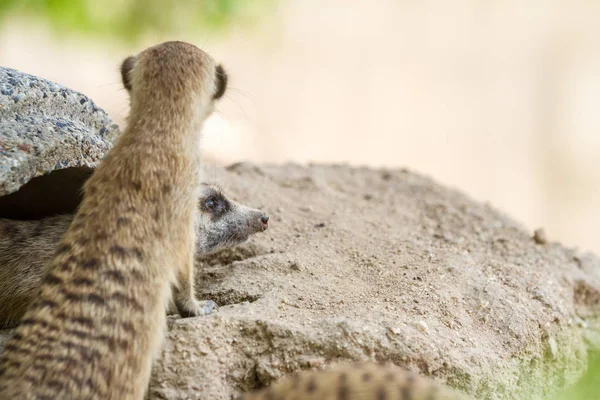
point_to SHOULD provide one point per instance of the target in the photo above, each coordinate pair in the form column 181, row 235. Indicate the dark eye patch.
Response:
column 221, row 76
column 215, row 204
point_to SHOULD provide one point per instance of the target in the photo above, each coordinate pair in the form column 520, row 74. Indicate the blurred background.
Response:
column 499, row 99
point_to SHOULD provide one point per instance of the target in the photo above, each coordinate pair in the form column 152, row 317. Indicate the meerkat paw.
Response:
column 196, row 308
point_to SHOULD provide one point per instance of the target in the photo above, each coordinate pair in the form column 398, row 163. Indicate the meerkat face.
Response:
column 223, row 222
column 174, row 74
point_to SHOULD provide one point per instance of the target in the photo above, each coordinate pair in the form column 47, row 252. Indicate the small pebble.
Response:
column 422, row 325
column 539, row 236
column 295, row 266
column 395, row 331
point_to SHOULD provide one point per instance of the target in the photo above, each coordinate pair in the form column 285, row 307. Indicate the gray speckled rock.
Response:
column 46, row 127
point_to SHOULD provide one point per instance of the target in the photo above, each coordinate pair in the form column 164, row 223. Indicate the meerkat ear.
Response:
column 221, row 76
column 126, row 68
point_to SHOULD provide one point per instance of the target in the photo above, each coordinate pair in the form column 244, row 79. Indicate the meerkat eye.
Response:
column 210, row 203
column 215, row 204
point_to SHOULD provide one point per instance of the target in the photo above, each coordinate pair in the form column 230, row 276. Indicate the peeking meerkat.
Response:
column 98, row 318
column 27, row 246
column 361, row 381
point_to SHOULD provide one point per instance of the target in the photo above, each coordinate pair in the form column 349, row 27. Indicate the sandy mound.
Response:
column 389, row 266
column 357, row 264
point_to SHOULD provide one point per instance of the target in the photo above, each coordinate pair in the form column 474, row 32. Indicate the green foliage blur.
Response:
column 130, row 20
column 588, row 387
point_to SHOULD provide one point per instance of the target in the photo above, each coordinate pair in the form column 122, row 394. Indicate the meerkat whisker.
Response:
column 233, row 90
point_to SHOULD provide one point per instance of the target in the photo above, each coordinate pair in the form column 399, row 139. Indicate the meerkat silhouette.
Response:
column 27, row 246
column 359, row 381
column 99, row 317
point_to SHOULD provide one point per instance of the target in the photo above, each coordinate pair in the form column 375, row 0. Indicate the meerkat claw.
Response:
column 208, row 306
column 197, row 308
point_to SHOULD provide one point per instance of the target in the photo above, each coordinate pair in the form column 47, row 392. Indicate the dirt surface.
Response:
column 360, row 264
column 357, row 264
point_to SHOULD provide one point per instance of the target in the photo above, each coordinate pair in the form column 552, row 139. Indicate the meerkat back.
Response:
column 98, row 318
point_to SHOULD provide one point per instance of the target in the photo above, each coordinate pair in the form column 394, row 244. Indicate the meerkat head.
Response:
column 173, row 78
column 223, row 222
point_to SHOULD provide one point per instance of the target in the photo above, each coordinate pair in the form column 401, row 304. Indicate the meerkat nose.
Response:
column 265, row 221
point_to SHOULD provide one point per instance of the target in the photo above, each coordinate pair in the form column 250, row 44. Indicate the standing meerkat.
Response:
column 363, row 381
column 26, row 247
column 99, row 317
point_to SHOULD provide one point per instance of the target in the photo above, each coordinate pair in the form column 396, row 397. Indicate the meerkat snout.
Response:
column 265, row 221
column 256, row 220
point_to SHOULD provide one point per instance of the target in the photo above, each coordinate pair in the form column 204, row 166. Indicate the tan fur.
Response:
column 99, row 317
column 364, row 381
column 26, row 247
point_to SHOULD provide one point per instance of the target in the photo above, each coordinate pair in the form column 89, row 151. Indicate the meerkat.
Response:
column 362, row 381
column 99, row 316
column 27, row 246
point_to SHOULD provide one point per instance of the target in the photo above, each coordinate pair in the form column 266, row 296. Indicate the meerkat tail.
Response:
column 363, row 381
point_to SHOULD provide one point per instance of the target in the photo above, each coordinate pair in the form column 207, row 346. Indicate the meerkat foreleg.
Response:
column 184, row 293
column 185, row 298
